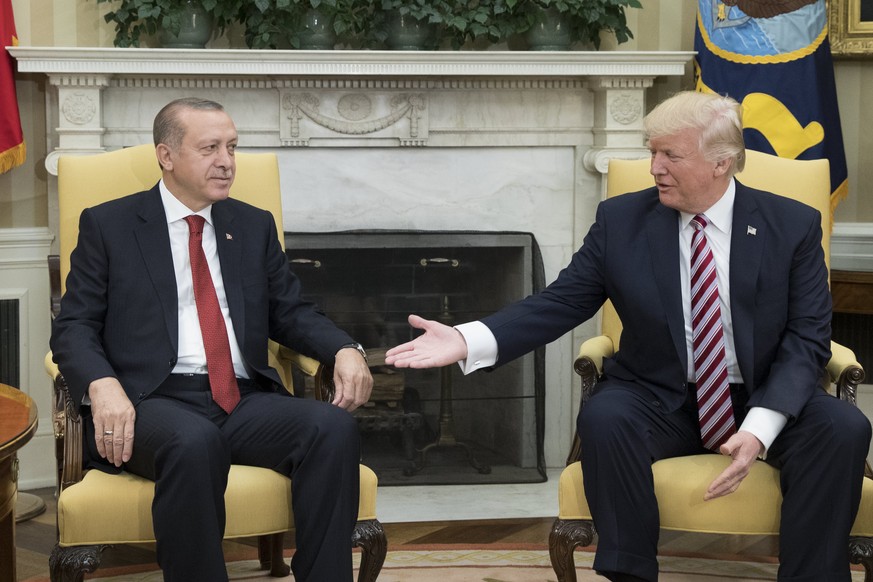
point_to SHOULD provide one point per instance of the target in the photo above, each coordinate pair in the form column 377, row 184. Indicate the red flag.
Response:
column 12, row 149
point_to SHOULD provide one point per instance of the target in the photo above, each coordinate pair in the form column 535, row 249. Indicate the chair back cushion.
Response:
column 85, row 181
column 805, row 180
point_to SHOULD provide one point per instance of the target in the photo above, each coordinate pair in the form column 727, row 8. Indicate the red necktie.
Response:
column 710, row 364
column 219, row 364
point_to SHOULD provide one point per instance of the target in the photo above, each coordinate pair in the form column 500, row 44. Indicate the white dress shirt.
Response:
column 192, row 354
column 764, row 423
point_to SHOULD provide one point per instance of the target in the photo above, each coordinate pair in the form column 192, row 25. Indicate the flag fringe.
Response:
column 12, row 157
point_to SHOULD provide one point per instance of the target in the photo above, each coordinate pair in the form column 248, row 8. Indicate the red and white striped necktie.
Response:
column 710, row 363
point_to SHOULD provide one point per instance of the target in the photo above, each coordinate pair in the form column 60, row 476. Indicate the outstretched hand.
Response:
column 439, row 345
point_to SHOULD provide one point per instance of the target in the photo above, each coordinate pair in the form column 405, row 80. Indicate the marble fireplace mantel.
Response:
column 500, row 141
column 83, row 78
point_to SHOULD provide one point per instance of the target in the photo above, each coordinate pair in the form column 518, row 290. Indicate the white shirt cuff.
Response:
column 765, row 424
column 481, row 346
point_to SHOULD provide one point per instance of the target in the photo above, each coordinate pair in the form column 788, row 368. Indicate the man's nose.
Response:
column 224, row 158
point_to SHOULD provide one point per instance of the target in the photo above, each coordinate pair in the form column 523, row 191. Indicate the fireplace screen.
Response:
column 433, row 426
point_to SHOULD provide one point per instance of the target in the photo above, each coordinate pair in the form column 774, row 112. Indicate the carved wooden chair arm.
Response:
column 589, row 366
column 296, row 365
column 66, row 423
column 845, row 372
column 589, row 362
column 67, row 426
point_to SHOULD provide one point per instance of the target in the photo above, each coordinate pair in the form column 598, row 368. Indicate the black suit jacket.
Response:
column 119, row 315
column 780, row 302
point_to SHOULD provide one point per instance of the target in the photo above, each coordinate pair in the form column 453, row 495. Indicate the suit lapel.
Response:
column 230, row 256
column 748, row 238
column 662, row 230
column 153, row 238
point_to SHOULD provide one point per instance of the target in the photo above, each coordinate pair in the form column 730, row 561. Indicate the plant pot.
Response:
column 405, row 33
column 317, row 32
column 550, row 31
column 195, row 30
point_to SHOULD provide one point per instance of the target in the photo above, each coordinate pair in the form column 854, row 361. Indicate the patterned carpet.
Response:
column 496, row 563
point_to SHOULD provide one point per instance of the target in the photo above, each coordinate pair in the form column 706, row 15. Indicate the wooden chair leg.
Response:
column 72, row 563
column 270, row 555
column 861, row 552
column 264, row 552
column 370, row 537
column 566, row 536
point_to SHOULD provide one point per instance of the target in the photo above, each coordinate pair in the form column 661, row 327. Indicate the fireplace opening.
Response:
column 433, row 426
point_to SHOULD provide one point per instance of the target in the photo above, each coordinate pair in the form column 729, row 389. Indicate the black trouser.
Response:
column 186, row 444
column 820, row 455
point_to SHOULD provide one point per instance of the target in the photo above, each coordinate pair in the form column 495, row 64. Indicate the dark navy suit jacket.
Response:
column 119, row 315
column 780, row 302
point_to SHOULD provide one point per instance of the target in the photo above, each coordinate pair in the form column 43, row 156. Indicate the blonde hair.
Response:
column 718, row 120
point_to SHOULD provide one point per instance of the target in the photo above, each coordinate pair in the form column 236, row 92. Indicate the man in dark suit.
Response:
column 169, row 396
column 768, row 290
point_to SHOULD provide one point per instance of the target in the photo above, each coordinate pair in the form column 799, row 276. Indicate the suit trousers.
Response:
column 186, row 444
column 820, row 454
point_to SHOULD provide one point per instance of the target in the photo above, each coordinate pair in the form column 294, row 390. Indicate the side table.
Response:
column 18, row 419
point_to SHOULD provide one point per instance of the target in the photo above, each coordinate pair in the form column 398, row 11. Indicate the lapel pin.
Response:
column 749, row 230
column 229, row 237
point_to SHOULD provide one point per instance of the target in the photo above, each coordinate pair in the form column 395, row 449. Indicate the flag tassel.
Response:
column 13, row 157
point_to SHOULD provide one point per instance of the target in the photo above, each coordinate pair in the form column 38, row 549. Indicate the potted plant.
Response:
column 573, row 20
column 306, row 24
column 411, row 24
column 353, row 23
column 265, row 25
column 468, row 21
column 172, row 19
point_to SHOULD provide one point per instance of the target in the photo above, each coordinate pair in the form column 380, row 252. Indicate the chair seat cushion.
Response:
column 116, row 509
column 680, row 484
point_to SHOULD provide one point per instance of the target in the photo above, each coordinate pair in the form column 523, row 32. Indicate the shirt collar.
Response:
column 720, row 214
column 175, row 210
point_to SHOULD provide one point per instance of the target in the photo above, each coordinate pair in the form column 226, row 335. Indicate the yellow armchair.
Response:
column 96, row 509
column 680, row 483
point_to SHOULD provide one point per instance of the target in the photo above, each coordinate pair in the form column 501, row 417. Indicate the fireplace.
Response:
column 497, row 140
column 433, row 426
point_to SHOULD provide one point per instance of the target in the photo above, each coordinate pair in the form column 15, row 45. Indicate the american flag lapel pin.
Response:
column 749, row 230
column 228, row 235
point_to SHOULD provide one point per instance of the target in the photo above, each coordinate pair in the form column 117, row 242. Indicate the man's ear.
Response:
column 165, row 161
column 722, row 167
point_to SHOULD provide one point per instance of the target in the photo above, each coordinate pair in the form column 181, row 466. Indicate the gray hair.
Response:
column 717, row 118
column 167, row 129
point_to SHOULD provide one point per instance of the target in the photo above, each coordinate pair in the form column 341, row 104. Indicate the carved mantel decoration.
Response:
column 467, row 140
column 332, row 115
